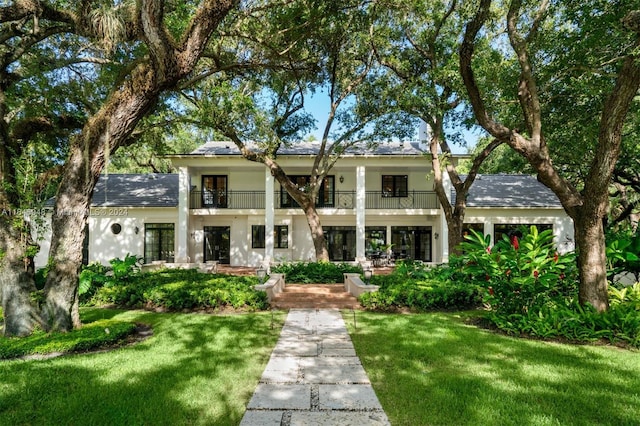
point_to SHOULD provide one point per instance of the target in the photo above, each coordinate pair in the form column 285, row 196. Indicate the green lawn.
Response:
column 432, row 369
column 427, row 369
column 196, row 369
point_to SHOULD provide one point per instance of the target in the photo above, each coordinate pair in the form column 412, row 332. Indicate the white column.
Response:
column 360, row 213
column 443, row 240
column 444, row 234
column 269, row 214
column 183, row 232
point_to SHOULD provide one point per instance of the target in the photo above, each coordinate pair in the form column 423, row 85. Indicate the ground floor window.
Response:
column 280, row 240
column 341, row 242
column 516, row 229
column 159, row 242
column 411, row 242
column 257, row 236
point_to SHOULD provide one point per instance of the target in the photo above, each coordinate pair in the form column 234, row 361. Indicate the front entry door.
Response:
column 217, row 244
column 341, row 243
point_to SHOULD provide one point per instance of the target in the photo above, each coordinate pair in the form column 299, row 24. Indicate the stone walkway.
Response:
column 314, row 377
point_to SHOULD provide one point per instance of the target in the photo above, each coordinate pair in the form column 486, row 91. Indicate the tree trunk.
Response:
column 455, row 226
column 68, row 222
column 317, row 234
column 16, row 283
column 592, row 261
column 108, row 129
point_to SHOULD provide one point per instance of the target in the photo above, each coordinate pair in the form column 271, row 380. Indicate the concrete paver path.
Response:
column 314, row 377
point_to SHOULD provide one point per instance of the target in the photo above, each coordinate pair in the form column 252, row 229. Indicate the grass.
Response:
column 432, row 369
column 196, row 369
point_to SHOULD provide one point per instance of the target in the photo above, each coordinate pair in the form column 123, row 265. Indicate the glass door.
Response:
column 214, row 191
column 411, row 242
column 341, row 242
column 217, row 244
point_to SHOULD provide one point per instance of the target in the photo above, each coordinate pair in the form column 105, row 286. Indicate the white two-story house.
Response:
column 222, row 207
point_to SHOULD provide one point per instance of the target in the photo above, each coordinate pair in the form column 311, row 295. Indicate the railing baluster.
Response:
column 341, row 199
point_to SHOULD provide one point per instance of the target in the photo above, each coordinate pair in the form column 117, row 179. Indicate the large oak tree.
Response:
column 317, row 47
column 418, row 43
column 588, row 205
column 158, row 45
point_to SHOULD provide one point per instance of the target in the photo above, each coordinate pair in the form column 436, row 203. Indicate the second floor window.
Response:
column 214, row 191
column 326, row 195
column 280, row 238
column 394, row 186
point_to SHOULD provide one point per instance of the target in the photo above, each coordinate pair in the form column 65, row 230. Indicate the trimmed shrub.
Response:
column 415, row 286
column 315, row 272
column 179, row 289
column 95, row 275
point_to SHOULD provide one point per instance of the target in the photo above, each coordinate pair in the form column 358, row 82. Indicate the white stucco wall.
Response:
column 41, row 233
column 562, row 225
column 104, row 245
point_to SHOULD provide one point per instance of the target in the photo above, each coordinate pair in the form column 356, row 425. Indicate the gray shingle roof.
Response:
column 136, row 190
column 311, row 148
column 509, row 191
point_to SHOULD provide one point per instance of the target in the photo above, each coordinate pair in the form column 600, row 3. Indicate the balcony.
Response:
column 339, row 199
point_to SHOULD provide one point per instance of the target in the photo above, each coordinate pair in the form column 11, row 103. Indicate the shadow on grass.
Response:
column 196, row 369
column 433, row 369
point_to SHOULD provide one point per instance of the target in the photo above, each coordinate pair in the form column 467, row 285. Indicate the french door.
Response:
column 341, row 242
column 217, row 244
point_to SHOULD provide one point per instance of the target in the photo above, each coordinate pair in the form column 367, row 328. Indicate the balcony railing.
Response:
column 413, row 200
column 339, row 199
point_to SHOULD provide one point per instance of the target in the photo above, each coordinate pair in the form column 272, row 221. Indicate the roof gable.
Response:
column 136, row 190
column 312, row 148
column 509, row 191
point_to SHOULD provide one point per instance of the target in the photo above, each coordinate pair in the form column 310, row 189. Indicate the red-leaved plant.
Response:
column 519, row 273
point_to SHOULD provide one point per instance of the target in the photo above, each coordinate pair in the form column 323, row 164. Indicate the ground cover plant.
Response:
column 416, row 286
column 174, row 289
column 434, row 369
column 196, row 369
column 315, row 272
column 92, row 336
column 531, row 289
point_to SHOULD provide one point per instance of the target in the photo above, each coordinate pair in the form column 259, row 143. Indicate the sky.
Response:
column 318, row 105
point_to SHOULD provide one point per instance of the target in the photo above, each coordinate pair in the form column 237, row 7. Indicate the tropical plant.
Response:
column 519, row 274
column 623, row 251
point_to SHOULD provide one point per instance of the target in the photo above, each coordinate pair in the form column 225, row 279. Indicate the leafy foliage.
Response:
column 315, row 272
column 623, row 251
column 178, row 289
column 519, row 274
column 91, row 336
column 415, row 286
column 97, row 275
column 532, row 290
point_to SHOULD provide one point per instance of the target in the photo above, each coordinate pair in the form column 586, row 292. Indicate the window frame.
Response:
column 155, row 253
column 219, row 195
column 326, row 194
column 259, row 236
column 399, row 186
